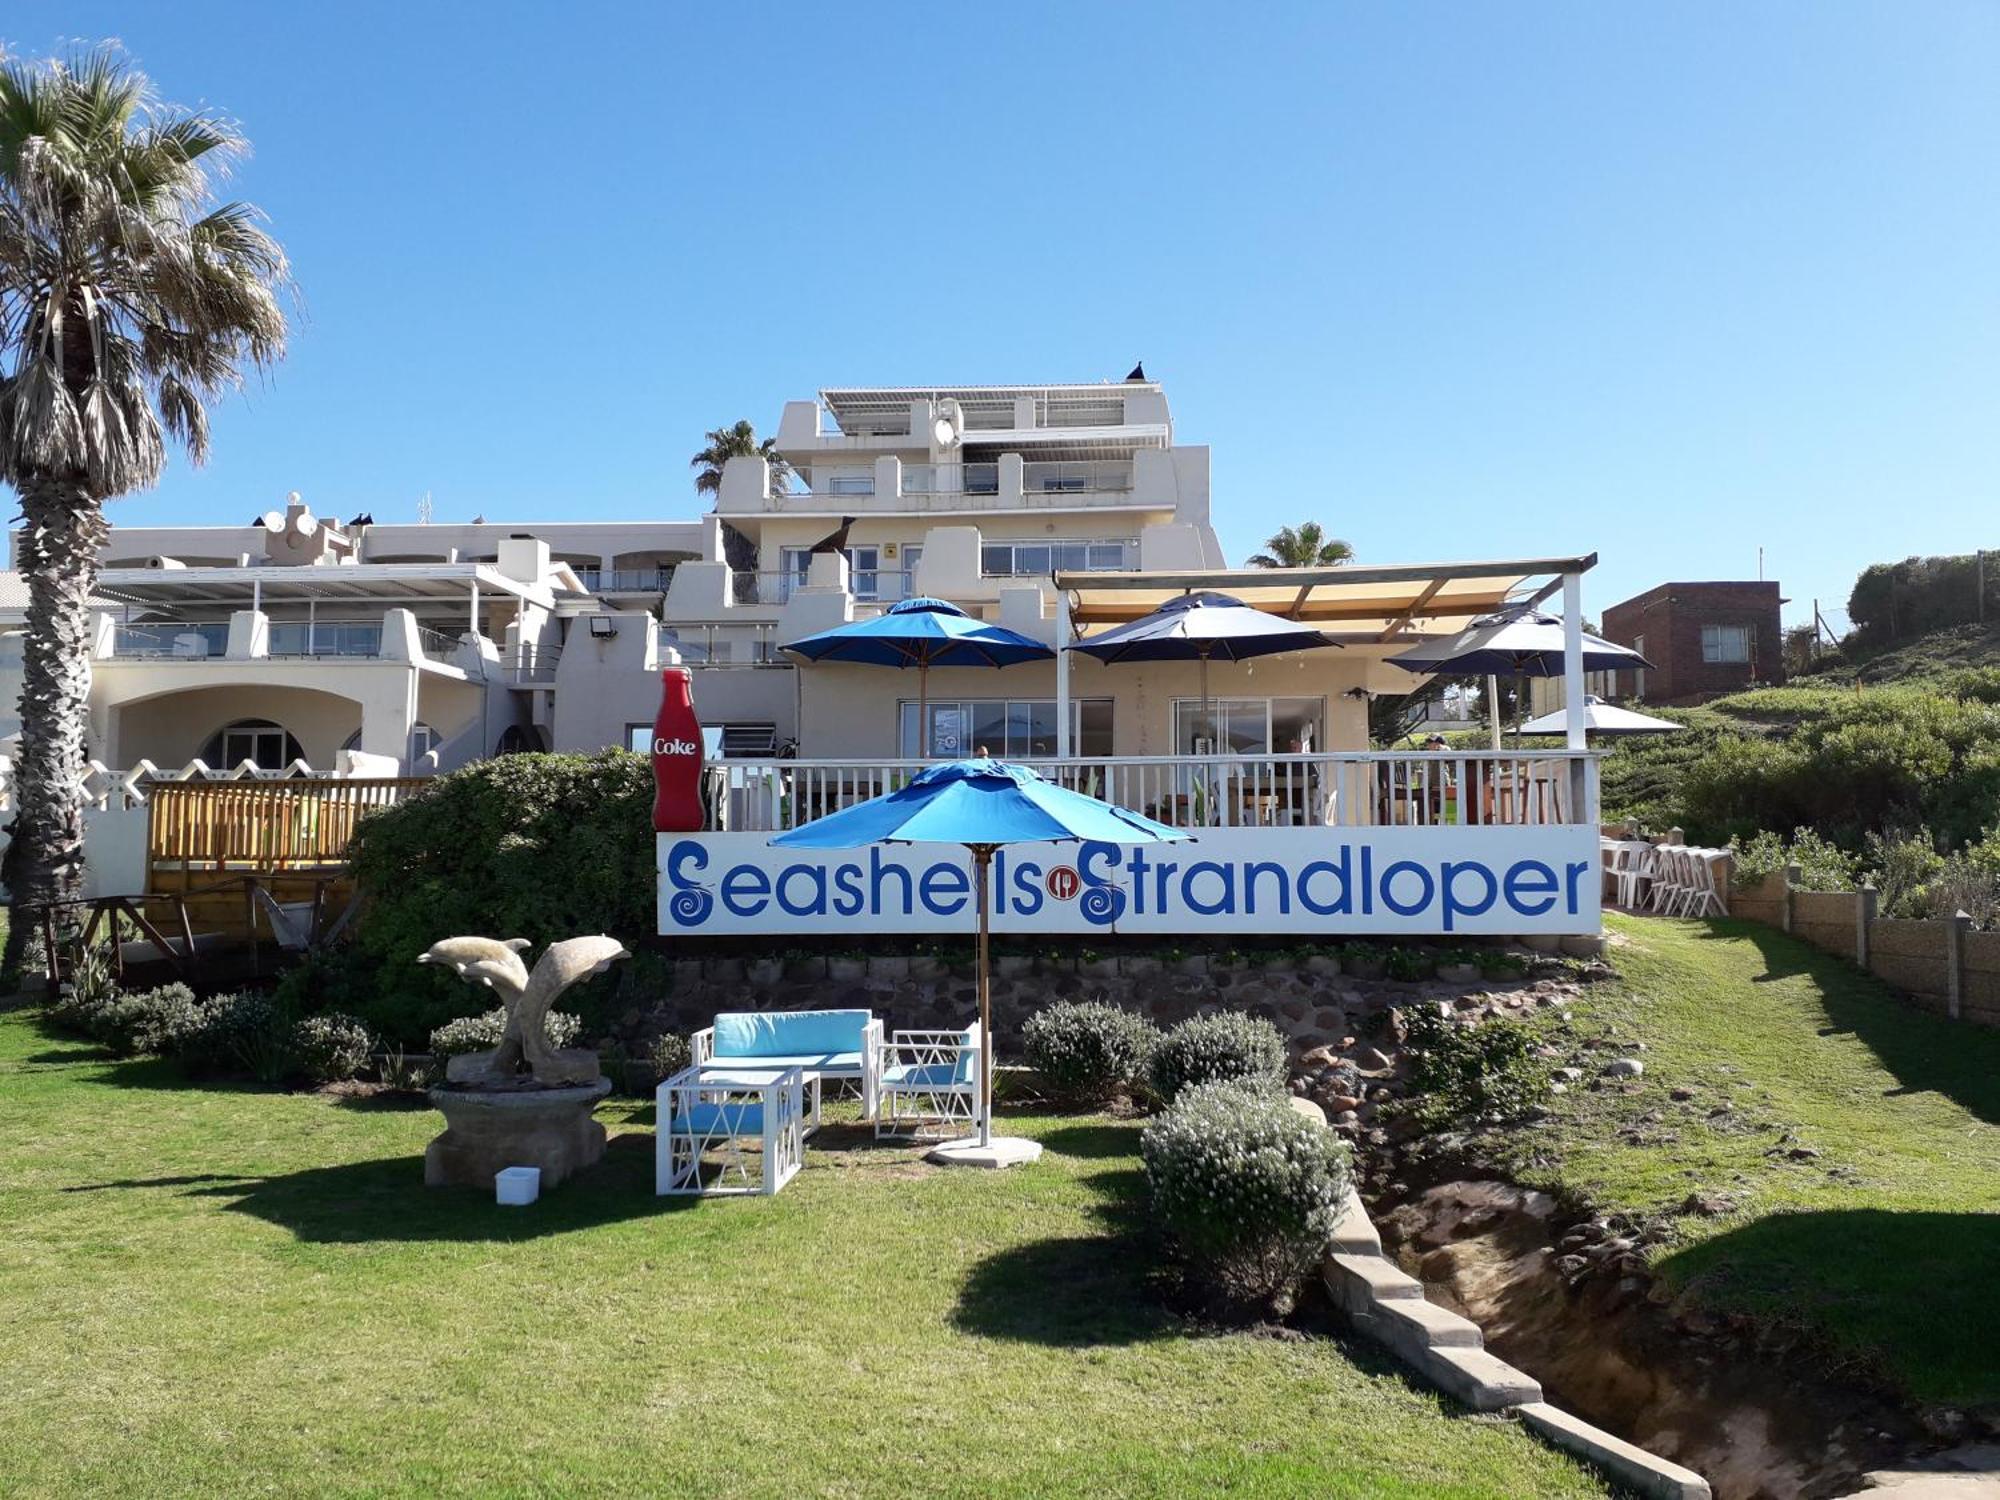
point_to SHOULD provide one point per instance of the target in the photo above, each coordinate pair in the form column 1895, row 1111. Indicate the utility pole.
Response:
column 1979, row 574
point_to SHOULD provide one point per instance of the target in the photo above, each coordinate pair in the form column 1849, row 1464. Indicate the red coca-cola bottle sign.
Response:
column 676, row 756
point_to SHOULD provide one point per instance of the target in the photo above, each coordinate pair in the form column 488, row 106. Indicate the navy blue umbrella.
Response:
column 1198, row 626
column 922, row 633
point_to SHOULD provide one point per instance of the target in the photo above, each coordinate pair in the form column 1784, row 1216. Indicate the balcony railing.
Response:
column 626, row 580
column 1083, row 476
column 192, row 639
column 326, row 638
column 732, row 645
column 1359, row 789
column 528, row 664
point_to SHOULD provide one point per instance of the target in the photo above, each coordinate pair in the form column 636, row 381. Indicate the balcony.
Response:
column 627, row 580
column 183, row 639
column 1008, row 484
column 326, row 638
column 867, row 585
column 1362, row 789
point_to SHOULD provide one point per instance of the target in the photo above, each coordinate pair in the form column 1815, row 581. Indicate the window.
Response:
column 866, row 577
column 1037, row 559
column 1725, row 643
column 1013, row 729
column 851, row 482
column 1249, row 726
column 264, row 744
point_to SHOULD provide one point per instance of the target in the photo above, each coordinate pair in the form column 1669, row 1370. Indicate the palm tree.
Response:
column 1306, row 546
column 740, row 441
column 725, row 443
column 129, row 299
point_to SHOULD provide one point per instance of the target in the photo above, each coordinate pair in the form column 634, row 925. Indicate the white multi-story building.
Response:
column 1050, row 509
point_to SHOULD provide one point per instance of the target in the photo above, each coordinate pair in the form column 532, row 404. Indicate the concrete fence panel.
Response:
column 1911, row 955
column 1826, row 919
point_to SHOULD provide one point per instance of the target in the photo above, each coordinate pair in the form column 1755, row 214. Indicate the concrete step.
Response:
column 1417, row 1324
column 1358, row 1282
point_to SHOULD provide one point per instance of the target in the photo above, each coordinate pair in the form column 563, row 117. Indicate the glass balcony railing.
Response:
column 326, row 638
column 185, row 638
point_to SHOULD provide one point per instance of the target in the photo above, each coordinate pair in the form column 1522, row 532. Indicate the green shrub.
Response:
column 240, row 1034
column 88, row 984
column 1228, row 1047
column 670, row 1053
column 483, row 1033
column 1464, row 1072
column 1822, row 866
column 1901, row 864
column 1246, row 1190
column 1407, row 965
column 541, row 847
column 331, row 1048
column 1087, row 1050
column 171, row 1012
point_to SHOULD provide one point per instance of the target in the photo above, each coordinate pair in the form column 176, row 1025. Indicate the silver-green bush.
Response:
column 483, row 1033
column 1247, row 1191
column 331, row 1048
column 1085, row 1051
column 1228, row 1047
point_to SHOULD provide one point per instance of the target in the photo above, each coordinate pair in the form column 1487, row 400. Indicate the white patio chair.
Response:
column 710, row 1122
column 929, row 1088
column 1668, row 880
column 1634, row 868
column 1705, row 891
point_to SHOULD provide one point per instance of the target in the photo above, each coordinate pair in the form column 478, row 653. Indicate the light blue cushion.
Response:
column 926, row 1076
column 777, row 1033
column 711, row 1120
column 807, row 1062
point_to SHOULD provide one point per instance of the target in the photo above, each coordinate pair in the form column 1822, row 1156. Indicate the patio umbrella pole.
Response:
column 923, row 708
column 982, row 858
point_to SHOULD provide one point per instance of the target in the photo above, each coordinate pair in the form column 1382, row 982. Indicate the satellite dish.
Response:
column 947, row 425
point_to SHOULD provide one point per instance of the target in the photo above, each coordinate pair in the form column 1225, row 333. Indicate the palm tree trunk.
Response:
column 64, row 528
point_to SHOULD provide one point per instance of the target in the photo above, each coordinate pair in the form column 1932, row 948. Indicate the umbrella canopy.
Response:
column 1201, row 626
column 1519, row 641
column 922, row 633
column 981, row 804
column 1600, row 717
column 1198, row 626
column 975, row 803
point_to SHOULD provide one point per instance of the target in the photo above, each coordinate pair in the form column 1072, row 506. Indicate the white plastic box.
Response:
column 516, row 1187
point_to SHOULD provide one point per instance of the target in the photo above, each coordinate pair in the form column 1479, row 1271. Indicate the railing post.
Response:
column 1864, row 918
column 1954, row 962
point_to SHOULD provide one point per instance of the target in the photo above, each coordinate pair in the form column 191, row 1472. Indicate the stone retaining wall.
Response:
column 1941, row 966
column 1310, row 1000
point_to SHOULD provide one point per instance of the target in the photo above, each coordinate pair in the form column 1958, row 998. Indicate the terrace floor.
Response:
column 227, row 1291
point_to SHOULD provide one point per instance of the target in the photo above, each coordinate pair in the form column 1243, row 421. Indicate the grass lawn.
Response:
column 1885, row 1243
column 230, row 1291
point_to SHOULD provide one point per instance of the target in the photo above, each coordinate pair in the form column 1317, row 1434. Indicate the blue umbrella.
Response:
column 922, row 633
column 981, row 804
column 1198, row 626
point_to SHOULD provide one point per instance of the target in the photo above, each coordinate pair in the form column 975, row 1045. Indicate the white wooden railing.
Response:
column 1356, row 789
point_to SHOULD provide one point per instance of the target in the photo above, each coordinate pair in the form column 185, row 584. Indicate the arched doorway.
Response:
column 266, row 745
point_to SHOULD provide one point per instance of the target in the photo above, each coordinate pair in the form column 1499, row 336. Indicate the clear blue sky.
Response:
column 1668, row 282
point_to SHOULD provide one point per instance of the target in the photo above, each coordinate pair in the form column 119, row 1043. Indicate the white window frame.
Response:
column 1714, row 648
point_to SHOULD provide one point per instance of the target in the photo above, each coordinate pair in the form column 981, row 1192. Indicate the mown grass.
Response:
column 1882, row 1243
column 222, row 1291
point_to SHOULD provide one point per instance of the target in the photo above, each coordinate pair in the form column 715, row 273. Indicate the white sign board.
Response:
column 1411, row 881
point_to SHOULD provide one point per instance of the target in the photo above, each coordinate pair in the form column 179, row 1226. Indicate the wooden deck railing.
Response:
column 263, row 825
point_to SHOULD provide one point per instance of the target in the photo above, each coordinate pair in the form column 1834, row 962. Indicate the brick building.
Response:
column 1703, row 639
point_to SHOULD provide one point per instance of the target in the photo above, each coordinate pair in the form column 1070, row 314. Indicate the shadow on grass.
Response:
column 1908, row 1293
column 1091, row 1142
column 1073, row 1293
column 385, row 1201
column 1076, row 1291
column 1926, row 1053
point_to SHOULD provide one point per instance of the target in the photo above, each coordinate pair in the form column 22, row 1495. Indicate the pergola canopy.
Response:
column 1352, row 605
column 387, row 584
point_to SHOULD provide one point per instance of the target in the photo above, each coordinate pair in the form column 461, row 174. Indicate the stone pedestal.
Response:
column 487, row 1129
